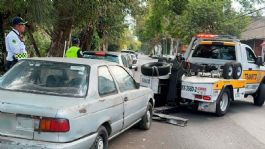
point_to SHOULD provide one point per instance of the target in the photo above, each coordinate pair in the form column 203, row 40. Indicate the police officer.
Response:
column 74, row 51
column 14, row 42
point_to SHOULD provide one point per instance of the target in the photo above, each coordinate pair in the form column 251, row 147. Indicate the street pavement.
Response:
column 243, row 127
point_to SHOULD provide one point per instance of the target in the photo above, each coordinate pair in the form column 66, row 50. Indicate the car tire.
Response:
column 237, row 70
column 162, row 59
column 155, row 69
column 223, row 102
column 146, row 121
column 136, row 68
column 260, row 96
column 101, row 141
column 228, row 71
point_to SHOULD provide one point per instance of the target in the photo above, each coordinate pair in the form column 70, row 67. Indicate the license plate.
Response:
column 7, row 122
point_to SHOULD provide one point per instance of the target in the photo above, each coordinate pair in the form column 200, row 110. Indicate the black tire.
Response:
column 155, row 69
column 228, row 70
column 223, row 102
column 101, row 139
column 162, row 59
column 260, row 96
column 136, row 68
column 237, row 70
column 195, row 106
column 146, row 121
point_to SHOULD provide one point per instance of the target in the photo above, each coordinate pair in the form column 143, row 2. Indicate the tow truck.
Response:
column 214, row 71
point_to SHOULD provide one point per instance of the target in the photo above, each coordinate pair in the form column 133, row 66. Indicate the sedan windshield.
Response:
column 46, row 77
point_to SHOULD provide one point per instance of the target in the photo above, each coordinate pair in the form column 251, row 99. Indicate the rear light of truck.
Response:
column 198, row 96
column 53, row 125
column 206, row 98
column 203, row 97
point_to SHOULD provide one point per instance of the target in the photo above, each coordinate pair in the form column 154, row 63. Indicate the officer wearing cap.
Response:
column 14, row 42
column 74, row 51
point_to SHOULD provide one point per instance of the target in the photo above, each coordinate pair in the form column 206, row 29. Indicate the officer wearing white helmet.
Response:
column 14, row 42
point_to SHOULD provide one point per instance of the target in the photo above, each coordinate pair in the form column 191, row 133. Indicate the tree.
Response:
column 216, row 17
column 34, row 11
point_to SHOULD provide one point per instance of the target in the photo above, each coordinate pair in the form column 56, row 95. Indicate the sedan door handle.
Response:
column 125, row 99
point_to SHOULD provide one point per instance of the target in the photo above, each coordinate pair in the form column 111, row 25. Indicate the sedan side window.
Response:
column 106, row 83
column 124, row 80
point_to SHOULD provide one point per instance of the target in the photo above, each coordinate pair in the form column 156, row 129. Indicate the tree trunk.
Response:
column 30, row 31
column 2, row 43
column 86, row 36
column 59, row 37
column 2, row 34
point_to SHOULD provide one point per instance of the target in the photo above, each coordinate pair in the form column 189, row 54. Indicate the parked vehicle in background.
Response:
column 133, row 54
column 116, row 57
column 69, row 103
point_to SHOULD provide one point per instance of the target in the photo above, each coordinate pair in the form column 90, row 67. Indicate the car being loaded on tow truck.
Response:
column 215, row 70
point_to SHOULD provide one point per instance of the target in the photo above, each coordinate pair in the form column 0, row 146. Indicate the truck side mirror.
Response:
column 259, row 61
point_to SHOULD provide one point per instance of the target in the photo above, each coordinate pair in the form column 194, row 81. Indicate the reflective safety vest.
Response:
column 21, row 55
column 72, row 52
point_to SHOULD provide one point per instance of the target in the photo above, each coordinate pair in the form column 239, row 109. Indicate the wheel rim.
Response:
column 230, row 71
column 148, row 118
column 100, row 143
column 224, row 102
column 239, row 71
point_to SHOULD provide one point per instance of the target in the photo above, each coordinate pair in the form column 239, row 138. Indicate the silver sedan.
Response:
column 69, row 103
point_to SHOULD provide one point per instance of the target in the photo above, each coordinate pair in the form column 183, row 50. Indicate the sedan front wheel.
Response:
column 146, row 121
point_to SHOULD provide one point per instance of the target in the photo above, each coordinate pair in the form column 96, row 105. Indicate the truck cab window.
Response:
column 215, row 52
column 250, row 55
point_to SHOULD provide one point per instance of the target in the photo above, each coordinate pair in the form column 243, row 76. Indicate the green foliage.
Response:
column 95, row 42
column 155, row 24
column 113, row 47
column 183, row 19
column 43, row 41
column 206, row 16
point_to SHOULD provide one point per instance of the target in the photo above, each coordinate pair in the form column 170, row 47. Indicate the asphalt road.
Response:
column 243, row 127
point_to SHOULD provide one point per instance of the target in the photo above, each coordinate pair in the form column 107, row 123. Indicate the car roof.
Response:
column 84, row 61
column 129, row 51
column 108, row 53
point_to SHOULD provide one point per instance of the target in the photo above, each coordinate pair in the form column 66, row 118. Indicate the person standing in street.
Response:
column 74, row 51
column 14, row 42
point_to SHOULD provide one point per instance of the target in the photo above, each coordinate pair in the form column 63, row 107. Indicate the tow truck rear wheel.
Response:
column 260, row 96
column 223, row 102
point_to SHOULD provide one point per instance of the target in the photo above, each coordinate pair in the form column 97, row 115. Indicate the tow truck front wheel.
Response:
column 223, row 102
column 260, row 96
